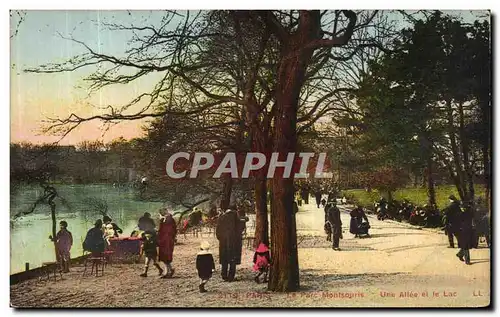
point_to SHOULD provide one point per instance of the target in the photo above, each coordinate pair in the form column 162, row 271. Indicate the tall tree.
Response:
column 271, row 81
column 428, row 83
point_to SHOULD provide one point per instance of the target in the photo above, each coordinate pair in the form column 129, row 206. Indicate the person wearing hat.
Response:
column 317, row 195
column 94, row 240
column 204, row 265
column 166, row 241
column 229, row 233
column 146, row 223
column 482, row 222
column 466, row 236
column 64, row 241
column 382, row 203
column 149, row 248
column 195, row 217
column 451, row 220
column 333, row 217
column 261, row 262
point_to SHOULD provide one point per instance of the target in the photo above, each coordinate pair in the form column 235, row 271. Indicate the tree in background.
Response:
column 422, row 104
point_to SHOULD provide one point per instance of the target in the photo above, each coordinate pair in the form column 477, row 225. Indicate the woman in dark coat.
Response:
column 466, row 236
column 166, row 240
column 229, row 233
column 357, row 216
column 94, row 240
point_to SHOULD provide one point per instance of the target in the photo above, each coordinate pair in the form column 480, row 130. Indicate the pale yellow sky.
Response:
column 37, row 96
column 34, row 97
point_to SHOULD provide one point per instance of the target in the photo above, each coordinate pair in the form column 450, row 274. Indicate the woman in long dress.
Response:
column 357, row 216
column 166, row 241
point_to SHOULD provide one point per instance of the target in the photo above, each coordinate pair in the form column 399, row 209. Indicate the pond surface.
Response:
column 29, row 234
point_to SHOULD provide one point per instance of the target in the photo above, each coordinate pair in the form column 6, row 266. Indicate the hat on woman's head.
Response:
column 163, row 212
column 262, row 248
column 205, row 245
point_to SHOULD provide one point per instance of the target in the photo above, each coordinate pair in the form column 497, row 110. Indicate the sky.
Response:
column 34, row 97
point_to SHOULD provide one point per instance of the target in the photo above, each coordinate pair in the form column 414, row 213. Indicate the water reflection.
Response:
column 29, row 240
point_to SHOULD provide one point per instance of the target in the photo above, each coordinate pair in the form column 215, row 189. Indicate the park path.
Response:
column 398, row 266
column 419, row 257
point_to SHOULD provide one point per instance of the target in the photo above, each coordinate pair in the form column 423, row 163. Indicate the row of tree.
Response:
column 87, row 162
column 260, row 81
column 427, row 106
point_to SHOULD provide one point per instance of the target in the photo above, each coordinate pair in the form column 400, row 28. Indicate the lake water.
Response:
column 29, row 234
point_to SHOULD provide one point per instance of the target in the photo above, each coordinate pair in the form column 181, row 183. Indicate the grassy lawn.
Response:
column 415, row 195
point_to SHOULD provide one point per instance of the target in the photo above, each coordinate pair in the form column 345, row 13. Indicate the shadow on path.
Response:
column 386, row 235
column 314, row 280
column 472, row 261
column 411, row 247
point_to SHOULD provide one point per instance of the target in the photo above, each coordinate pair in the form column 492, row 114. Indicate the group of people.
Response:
column 358, row 226
column 230, row 227
column 157, row 245
column 95, row 240
column 462, row 221
column 459, row 221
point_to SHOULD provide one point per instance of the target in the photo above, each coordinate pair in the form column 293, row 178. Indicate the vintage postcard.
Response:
column 250, row 158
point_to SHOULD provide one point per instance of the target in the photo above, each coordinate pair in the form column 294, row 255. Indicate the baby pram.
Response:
column 363, row 228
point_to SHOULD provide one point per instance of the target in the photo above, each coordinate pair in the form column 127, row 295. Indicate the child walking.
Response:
column 262, row 262
column 150, row 253
column 205, row 265
column 64, row 241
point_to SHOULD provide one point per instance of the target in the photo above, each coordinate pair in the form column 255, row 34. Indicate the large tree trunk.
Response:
column 226, row 192
column 291, row 75
column 54, row 228
column 469, row 175
column 429, row 169
column 431, row 190
column 260, row 144
column 459, row 179
column 389, row 196
column 261, row 221
column 486, row 163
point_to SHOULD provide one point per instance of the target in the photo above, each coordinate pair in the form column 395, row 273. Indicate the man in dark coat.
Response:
column 333, row 215
column 452, row 220
column 466, row 237
column 304, row 193
column 482, row 222
column 383, row 208
column 229, row 233
column 317, row 195
column 146, row 223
